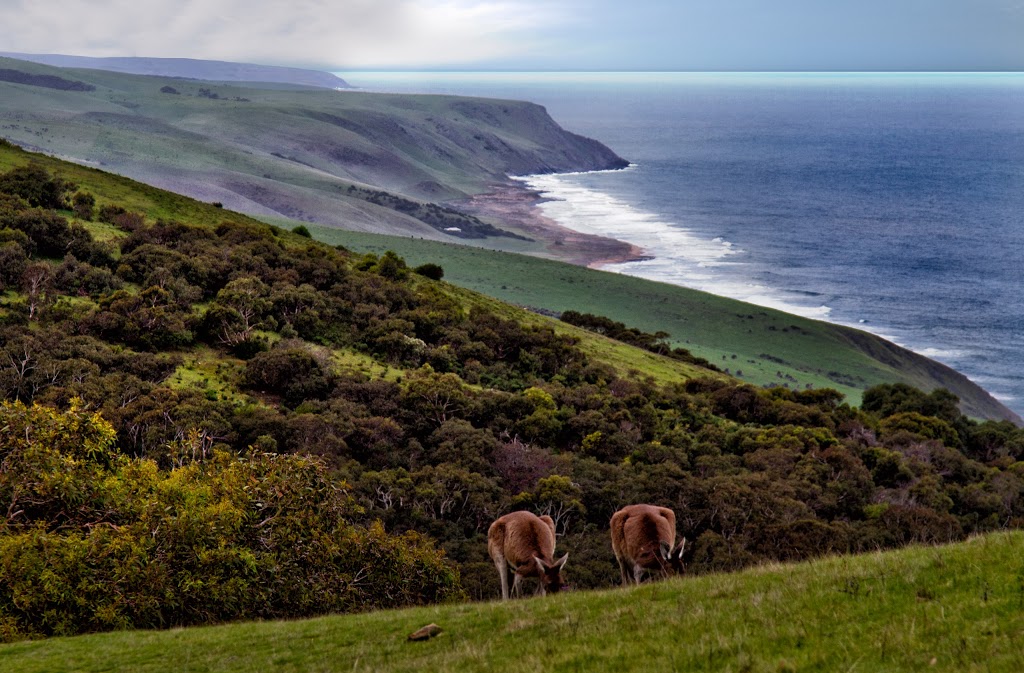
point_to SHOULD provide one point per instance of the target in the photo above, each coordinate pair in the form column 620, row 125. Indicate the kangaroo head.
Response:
column 551, row 574
column 675, row 557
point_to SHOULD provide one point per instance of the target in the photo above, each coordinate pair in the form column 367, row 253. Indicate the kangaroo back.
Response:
column 525, row 543
column 642, row 539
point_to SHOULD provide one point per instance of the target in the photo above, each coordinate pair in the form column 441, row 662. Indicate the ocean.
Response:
column 890, row 202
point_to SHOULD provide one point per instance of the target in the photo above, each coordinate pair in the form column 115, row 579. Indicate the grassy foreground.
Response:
column 954, row 608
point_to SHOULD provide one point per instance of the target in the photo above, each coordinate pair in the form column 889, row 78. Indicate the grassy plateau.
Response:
column 953, row 608
column 307, row 154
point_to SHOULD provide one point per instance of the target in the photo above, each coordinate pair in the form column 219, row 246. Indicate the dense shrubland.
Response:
column 97, row 540
column 214, row 353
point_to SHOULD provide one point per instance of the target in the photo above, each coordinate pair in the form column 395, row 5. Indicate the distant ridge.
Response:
column 220, row 71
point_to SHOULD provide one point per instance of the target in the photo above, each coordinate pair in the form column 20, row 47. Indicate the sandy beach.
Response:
column 513, row 206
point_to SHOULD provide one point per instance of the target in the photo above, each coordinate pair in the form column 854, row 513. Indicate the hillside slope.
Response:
column 759, row 345
column 190, row 68
column 310, row 155
column 768, row 350
column 954, row 608
column 214, row 339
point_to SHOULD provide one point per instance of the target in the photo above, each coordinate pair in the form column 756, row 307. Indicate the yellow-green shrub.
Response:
column 94, row 540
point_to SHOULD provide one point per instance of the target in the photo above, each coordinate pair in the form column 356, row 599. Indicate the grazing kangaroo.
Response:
column 642, row 539
column 525, row 542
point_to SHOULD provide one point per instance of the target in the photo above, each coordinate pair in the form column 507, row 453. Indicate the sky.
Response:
column 598, row 35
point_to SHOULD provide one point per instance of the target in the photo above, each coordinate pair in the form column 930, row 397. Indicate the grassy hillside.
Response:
column 158, row 204
column 716, row 328
column 291, row 153
column 954, row 608
column 756, row 344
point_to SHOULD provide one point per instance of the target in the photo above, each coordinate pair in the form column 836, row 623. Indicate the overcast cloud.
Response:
column 534, row 34
column 325, row 33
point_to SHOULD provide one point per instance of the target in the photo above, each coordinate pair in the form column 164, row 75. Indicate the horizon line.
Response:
column 692, row 72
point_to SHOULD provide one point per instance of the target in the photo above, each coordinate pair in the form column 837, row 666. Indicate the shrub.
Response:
column 98, row 541
column 34, row 184
column 83, row 203
column 430, row 270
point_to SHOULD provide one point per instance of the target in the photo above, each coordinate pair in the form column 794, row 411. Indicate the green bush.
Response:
column 97, row 541
column 35, row 184
column 430, row 270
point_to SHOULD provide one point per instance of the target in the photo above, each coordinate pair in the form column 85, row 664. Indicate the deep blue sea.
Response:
column 890, row 202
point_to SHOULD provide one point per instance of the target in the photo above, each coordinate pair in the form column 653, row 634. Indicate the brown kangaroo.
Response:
column 525, row 542
column 642, row 539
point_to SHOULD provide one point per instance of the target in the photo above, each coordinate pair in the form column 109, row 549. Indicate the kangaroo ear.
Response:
column 666, row 550
column 681, row 547
column 541, row 566
column 560, row 562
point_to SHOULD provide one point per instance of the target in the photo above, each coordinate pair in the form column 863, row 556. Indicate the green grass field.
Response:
column 955, row 608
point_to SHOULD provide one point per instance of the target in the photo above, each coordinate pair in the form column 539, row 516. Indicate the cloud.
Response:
column 327, row 33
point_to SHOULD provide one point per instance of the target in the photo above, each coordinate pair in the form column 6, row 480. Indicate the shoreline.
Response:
column 515, row 206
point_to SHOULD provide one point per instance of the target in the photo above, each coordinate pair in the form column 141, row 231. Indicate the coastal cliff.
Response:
column 329, row 157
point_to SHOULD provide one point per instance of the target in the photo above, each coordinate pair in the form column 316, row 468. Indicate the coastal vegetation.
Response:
column 96, row 540
column 758, row 345
column 206, row 357
column 766, row 347
column 391, row 164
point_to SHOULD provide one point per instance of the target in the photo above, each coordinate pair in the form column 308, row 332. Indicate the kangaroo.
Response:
column 642, row 539
column 525, row 543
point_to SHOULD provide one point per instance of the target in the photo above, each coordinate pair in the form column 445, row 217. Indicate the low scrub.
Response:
column 94, row 540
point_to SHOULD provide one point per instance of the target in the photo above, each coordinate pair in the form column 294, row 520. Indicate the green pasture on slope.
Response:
column 755, row 344
column 955, row 608
column 108, row 188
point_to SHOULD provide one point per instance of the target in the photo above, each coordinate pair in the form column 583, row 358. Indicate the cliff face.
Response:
column 431, row 147
column 548, row 148
column 293, row 153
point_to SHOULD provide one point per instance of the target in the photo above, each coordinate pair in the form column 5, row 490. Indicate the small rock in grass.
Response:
column 426, row 633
